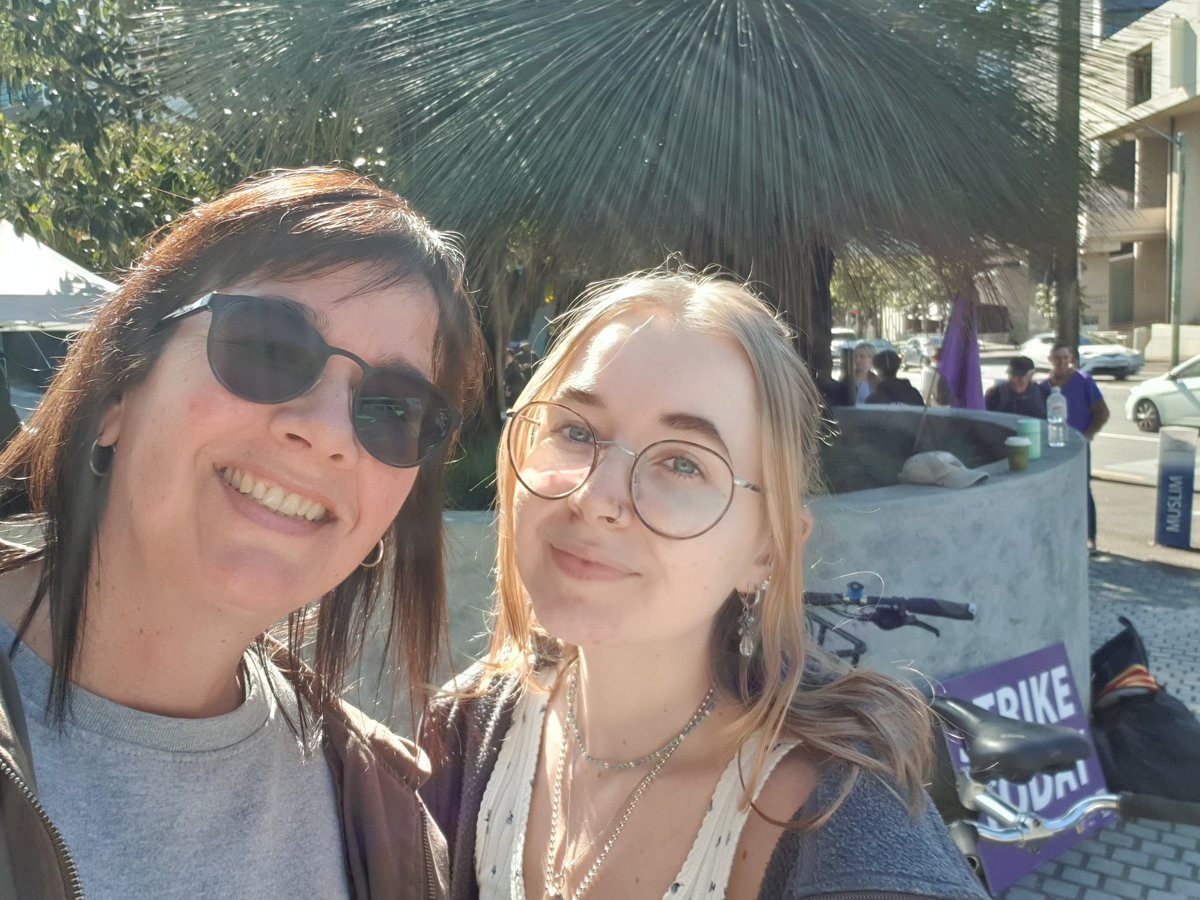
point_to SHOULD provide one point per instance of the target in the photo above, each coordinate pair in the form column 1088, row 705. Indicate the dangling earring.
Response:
column 747, row 628
column 101, row 464
column 375, row 558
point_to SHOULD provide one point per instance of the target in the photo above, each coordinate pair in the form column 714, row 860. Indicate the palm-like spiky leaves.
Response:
column 760, row 134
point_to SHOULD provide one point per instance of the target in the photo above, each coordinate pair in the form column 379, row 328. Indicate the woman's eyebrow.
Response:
column 569, row 394
column 313, row 316
column 680, row 421
column 317, row 318
column 676, row 421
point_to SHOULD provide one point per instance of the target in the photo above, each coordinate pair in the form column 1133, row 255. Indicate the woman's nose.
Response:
column 604, row 496
column 320, row 420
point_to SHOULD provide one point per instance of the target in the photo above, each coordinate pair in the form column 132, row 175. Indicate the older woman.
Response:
column 650, row 721
column 252, row 430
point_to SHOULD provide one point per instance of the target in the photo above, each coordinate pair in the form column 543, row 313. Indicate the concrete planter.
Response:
column 1013, row 545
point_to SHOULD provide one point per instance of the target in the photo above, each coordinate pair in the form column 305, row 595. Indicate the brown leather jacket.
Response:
column 393, row 848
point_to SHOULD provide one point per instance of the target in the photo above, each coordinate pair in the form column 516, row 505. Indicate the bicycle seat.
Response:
column 999, row 747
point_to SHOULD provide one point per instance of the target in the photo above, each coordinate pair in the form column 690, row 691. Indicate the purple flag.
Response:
column 960, row 356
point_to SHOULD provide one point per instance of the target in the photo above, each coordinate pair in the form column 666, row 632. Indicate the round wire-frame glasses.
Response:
column 679, row 489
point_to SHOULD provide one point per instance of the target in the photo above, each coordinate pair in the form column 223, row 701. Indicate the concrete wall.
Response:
column 1014, row 545
column 1159, row 347
column 1150, row 280
column 1189, row 127
column 1094, row 289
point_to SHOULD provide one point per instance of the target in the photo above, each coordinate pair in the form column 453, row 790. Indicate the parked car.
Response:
column 917, row 349
column 840, row 338
column 1096, row 356
column 1171, row 399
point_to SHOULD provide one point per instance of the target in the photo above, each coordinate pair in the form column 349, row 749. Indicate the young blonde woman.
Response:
column 650, row 721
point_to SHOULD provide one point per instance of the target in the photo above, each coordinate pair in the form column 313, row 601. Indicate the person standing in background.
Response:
column 865, row 380
column 1086, row 412
column 892, row 389
column 1017, row 395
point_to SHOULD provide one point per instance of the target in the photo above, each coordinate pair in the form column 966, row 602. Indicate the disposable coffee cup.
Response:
column 1018, row 453
column 1032, row 429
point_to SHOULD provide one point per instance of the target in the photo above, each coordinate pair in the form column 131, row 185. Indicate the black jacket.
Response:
column 896, row 390
column 1002, row 398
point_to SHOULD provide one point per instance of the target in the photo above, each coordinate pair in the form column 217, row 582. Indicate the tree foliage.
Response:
column 91, row 160
column 763, row 135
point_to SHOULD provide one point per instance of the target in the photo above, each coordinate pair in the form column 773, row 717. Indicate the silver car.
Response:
column 1171, row 399
column 1096, row 355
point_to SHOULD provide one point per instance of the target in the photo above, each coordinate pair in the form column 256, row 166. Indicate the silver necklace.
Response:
column 701, row 713
column 555, row 875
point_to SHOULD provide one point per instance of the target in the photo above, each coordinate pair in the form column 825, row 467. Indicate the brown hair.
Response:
column 282, row 224
column 864, row 720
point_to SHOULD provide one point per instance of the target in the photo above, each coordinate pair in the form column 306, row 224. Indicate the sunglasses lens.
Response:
column 401, row 419
column 264, row 352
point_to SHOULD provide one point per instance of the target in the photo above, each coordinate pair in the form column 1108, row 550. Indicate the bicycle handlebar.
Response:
column 1026, row 828
column 1146, row 806
column 925, row 606
column 1017, row 827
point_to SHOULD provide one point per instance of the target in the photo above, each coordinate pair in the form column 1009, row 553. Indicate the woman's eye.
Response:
column 577, row 434
column 681, row 465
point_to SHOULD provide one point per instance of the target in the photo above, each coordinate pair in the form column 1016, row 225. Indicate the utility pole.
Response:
column 1176, row 139
column 1065, row 251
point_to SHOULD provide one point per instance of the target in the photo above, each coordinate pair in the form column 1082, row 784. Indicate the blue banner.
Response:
column 1176, row 477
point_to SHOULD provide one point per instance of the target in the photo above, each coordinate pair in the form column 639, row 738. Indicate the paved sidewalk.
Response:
column 1138, row 859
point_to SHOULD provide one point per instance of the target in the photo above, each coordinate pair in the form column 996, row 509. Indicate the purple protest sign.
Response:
column 1037, row 687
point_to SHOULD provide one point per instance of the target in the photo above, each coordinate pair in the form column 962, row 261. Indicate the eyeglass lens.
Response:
column 679, row 489
column 266, row 352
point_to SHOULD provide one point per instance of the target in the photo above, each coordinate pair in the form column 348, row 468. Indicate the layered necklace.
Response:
column 556, row 872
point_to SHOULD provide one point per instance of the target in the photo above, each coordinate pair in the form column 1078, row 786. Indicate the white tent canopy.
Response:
column 41, row 289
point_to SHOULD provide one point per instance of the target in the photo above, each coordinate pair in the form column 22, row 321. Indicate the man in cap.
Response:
column 1086, row 411
column 1018, row 395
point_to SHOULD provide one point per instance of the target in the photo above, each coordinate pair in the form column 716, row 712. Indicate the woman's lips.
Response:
column 585, row 569
column 256, row 512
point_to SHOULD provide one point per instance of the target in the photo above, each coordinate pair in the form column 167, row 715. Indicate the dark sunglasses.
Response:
column 266, row 351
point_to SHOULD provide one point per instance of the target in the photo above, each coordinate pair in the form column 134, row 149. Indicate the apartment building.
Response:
column 1140, row 238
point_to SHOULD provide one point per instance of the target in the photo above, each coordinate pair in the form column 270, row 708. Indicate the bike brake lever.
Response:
column 910, row 619
column 888, row 618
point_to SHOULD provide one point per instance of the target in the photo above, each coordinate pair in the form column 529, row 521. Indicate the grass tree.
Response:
column 585, row 138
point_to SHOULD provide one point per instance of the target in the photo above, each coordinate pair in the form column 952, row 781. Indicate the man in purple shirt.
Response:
column 1086, row 412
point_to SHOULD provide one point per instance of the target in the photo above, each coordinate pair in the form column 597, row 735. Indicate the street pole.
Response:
column 1065, row 248
column 1177, row 250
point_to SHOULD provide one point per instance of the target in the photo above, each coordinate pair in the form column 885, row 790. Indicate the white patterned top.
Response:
column 504, row 815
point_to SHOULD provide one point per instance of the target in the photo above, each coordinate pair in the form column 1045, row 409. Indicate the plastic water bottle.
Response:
column 1056, row 418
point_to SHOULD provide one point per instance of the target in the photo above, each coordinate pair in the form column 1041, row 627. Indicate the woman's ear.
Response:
column 763, row 564
column 109, row 431
column 805, row 523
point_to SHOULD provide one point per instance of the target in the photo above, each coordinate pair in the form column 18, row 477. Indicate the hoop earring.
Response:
column 375, row 558
column 101, row 464
column 747, row 627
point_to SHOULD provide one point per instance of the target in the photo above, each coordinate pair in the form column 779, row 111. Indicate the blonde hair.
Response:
column 862, row 719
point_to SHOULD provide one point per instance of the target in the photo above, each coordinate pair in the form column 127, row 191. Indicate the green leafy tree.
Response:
column 908, row 284
column 90, row 160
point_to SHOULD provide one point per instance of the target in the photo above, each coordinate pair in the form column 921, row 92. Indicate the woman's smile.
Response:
column 288, row 504
column 584, row 564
